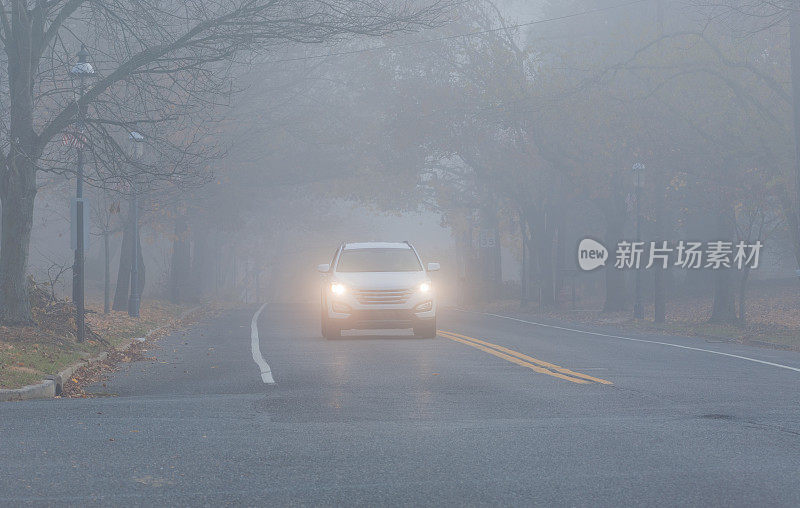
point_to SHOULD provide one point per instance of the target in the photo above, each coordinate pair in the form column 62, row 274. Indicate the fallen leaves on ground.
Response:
column 772, row 309
column 137, row 351
column 47, row 345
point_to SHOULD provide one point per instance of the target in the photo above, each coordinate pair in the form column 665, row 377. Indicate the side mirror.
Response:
column 324, row 268
column 433, row 267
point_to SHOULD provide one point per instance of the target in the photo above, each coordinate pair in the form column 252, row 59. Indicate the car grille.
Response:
column 382, row 296
column 383, row 315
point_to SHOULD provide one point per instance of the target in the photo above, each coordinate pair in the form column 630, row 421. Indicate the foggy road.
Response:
column 492, row 411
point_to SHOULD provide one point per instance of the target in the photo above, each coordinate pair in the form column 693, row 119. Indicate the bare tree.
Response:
column 172, row 56
column 749, row 17
column 104, row 211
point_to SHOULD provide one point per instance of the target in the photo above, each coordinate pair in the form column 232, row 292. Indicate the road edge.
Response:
column 652, row 332
column 631, row 339
column 53, row 384
column 255, row 348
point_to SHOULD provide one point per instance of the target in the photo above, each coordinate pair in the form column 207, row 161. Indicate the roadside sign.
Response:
column 73, row 222
column 73, row 139
column 486, row 239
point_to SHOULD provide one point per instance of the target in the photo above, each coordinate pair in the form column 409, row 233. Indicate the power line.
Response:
column 456, row 36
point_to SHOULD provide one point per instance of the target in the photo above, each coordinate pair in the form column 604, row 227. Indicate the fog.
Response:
column 400, row 252
column 494, row 136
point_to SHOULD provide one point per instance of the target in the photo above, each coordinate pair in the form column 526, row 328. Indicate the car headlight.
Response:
column 338, row 288
column 425, row 287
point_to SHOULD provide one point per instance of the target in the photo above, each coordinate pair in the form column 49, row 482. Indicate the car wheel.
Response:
column 323, row 318
column 426, row 330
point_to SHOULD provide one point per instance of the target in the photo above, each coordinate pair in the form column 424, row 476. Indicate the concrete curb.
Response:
column 44, row 390
column 54, row 384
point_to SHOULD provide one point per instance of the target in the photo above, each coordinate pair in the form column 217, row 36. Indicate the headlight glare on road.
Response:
column 425, row 287
column 338, row 288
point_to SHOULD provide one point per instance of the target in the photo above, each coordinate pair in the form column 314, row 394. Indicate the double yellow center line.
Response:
column 524, row 360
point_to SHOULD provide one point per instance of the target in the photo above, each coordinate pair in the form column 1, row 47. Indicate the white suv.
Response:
column 377, row 285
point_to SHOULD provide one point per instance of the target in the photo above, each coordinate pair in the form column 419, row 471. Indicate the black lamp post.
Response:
column 638, row 310
column 135, row 299
column 81, row 70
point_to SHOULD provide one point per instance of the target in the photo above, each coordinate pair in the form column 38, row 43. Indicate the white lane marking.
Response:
column 266, row 372
column 635, row 340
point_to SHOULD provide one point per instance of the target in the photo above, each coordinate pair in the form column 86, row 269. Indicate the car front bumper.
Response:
column 377, row 319
column 360, row 316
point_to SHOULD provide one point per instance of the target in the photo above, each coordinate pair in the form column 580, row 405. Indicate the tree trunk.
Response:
column 542, row 251
column 524, row 294
column 532, row 276
column 202, row 263
column 18, row 175
column 180, row 266
column 616, row 294
column 659, row 289
column 497, row 266
column 489, row 257
column 141, row 270
column 17, row 194
column 724, row 309
column 791, row 213
column 561, row 247
column 545, row 242
column 107, row 278
column 122, row 289
column 743, row 294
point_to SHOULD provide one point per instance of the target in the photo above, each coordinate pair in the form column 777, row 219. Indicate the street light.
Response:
column 137, row 150
column 81, row 70
column 638, row 170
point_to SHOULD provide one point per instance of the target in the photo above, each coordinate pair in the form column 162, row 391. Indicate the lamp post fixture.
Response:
column 135, row 299
column 638, row 310
column 81, row 70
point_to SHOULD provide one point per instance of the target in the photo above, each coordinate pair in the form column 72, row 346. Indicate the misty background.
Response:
column 492, row 135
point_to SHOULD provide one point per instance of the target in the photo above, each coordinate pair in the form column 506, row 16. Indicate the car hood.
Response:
column 381, row 280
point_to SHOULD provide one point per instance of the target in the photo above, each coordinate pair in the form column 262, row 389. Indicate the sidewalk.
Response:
column 31, row 354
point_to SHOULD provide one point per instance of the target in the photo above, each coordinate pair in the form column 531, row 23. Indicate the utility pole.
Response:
column 135, row 299
column 82, row 69
column 794, row 49
column 659, row 291
column 638, row 310
column 107, row 274
column 523, row 286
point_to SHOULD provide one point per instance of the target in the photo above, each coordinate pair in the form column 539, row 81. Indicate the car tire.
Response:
column 426, row 330
column 323, row 317
column 328, row 329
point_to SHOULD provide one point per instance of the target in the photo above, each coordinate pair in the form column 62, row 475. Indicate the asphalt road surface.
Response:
column 492, row 411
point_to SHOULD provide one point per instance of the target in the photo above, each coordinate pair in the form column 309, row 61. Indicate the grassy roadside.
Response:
column 773, row 318
column 29, row 353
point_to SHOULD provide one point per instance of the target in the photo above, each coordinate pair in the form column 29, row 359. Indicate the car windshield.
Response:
column 378, row 260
